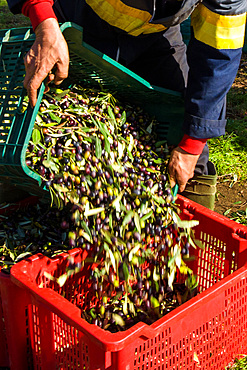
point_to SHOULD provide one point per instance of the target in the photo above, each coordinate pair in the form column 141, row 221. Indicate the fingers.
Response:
column 32, row 83
column 61, row 73
column 181, row 168
column 176, row 180
column 49, row 52
column 181, row 187
column 172, row 181
column 33, row 80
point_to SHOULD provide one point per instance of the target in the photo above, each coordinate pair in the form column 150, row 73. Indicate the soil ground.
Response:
column 230, row 198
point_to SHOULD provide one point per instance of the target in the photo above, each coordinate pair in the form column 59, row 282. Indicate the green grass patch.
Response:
column 240, row 217
column 9, row 20
column 229, row 154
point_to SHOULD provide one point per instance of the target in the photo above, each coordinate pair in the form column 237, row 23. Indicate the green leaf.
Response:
column 137, row 222
column 49, row 276
column 55, row 199
column 154, row 188
column 118, row 168
column 22, row 255
column 125, row 304
column 98, row 148
column 86, row 228
column 125, row 272
column 134, row 251
column 184, row 224
column 121, row 148
column 198, row 243
column 154, row 302
column 127, row 218
column 227, row 212
column 130, row 154
column 156, row 277
column 118, row 319
column 107, row 235
column 61, row 280
column 110, row 113
column 123, row 118
column 132, row 308
column 36, row 137
column 110, row 221
column 93, row 313
column 49, row 154
column 159, row 143
column 116, row 201
column 54, row 117
column 94, row 211
column 111, row 255
column 147, row 216
column 50, row 164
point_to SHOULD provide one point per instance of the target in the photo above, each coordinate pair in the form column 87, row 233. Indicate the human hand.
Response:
column 49, row 50
column 181, row 167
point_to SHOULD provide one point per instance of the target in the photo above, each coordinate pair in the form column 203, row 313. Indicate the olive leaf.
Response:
column 61, row 280
column 127, row 218
column 134, row 251
column 49, row 276
column 22, row 255
column 36, row 136
column 86, row 228
column 154, row 302
column 110, row 221
column 54, row 117
column 111, row 255
column 122, row 118
column 125, row 272
column 118, row 319
column 93, row 211
column 121, row 148
column 50, row 164
column 107, row 236
column 147, row 216
column 156, row 276
column 137, row 222
column 116, row 201
column 98, row 148
column 125, row 304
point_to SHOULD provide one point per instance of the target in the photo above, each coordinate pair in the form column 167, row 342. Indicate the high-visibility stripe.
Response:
column 218, row 31
column 131, row 20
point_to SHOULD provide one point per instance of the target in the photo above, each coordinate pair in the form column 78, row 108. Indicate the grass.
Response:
column 9, row 20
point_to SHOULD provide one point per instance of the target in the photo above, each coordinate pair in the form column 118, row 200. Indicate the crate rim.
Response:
column 114, row 342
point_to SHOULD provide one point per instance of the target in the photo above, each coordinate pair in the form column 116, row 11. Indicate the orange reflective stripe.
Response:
column 218, row 31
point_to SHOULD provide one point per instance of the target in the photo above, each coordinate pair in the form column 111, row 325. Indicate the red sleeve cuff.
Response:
column 192, row 145
column 38, row 11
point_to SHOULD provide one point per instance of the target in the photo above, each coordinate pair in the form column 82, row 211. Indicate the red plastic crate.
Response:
column 203, row 333
column 4, row 358
column 6, row 284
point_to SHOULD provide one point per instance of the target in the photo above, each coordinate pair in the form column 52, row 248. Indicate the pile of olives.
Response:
column 102, row 163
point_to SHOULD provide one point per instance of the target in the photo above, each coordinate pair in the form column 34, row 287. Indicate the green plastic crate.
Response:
column 91, row 68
